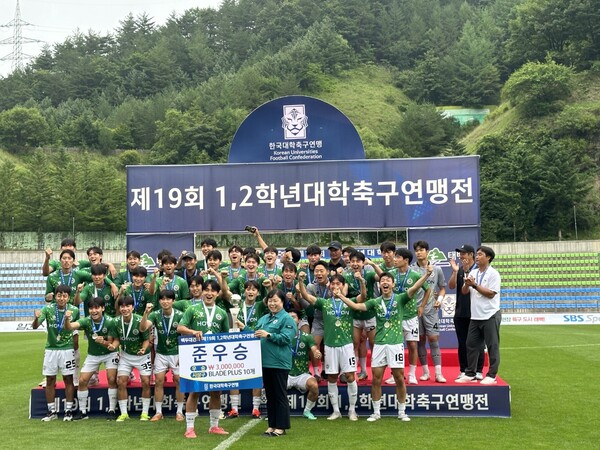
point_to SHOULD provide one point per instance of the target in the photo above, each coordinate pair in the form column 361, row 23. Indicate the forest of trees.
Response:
column 175, row 94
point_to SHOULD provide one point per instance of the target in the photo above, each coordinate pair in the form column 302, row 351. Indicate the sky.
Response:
column 52, row 21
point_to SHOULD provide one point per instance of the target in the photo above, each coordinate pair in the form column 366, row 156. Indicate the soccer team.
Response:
column 132, row 319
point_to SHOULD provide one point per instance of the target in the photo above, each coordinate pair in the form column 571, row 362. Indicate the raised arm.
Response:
column 420, row 282
column 355, row 306
column 303, row 292
column 145, row 323
column 70, row 326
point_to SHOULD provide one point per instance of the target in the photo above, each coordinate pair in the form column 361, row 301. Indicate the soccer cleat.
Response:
column 353, row 416
column 459, row 375
column 439, row 378
column 190, row 433
column 479, row 376
column 390, row 380
column 68, row 416
column 144, row 417
column 93, row 380
column 233, row 414
column 403, row 417
column 123, row 417
column 50, row 416
column 255, row 414
column 80, row 415
column 335, row 415
column 179, row 417
column 412, row 379
column 373, row 417
column 488, row 380
column 309, row 415
column 217, row 430
column 111, row 415
column 156, row 417
column 465, row 379
column 425, row 377
column 362, row 376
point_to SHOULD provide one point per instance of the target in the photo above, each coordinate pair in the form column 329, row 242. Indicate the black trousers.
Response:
column 484, row 333
column 278, row 405
column 461, row 326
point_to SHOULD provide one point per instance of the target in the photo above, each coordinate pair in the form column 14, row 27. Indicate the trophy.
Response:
column 235, row 301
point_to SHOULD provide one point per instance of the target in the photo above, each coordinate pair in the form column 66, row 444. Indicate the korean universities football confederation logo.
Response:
column 294, row 122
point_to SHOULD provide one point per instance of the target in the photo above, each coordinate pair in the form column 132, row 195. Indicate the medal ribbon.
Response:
column 96, row 330
column 164, row 323
column 62, row 277
column 126, row 335
column 388, row 308
column 59, row 324
column 247, row 314
column 209, row 315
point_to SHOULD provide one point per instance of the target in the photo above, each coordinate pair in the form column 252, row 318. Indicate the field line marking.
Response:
column 549, row 346
column 237, row 435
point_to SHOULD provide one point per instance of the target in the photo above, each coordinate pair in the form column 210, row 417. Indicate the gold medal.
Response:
column 58, row 338
column 168, row 342
column 386, row 324
column 338, row 323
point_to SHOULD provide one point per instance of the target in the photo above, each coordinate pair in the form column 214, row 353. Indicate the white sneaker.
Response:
column 353, row 416
column 479, row 376
column 334, row 416
column 403, row 417
column 488, row 380
column 462, row 374
column 425, row 377
column 390, row 380
column 465, row 379
column 412, row 379
column 439, row 378
column 373, row 417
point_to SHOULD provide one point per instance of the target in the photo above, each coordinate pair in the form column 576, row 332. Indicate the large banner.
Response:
column 330, row 195
column 295, row 128
column 220, row 361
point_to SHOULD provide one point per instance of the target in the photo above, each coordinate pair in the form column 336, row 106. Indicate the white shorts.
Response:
column 368, row 325
column 298, row 382
column 92, row 362
column 340, row 359
column 162, row 363
column 410, row 328
column 429, row 324
column 391, row 355
column 59, row 361
column 128, row 362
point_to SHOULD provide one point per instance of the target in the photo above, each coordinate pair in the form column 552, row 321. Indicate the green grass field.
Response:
column 552, row 371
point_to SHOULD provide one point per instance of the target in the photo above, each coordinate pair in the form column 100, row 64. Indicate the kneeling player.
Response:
column 101, row 333
column 299, row 377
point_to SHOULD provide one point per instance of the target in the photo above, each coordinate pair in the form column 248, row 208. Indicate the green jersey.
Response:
column 177, row 284
column 337, row 321
column 90, row 291
column 249, row 314
column 208, row 319
column 354, row 291
column 72, row 279
column 124, row 276
column 405, row 281
column 105, row 328
column 183, row 305
column 166, row 330
column 266, row 272
column 130, row 336
column 58, row 338
column 391, row 312
column 140, row 298
column 300, row 346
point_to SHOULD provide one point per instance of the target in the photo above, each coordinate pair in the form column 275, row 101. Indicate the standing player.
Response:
column 59, row 355
column 134, row 259
column 170, row 280
column 429, row 329
column 101, row 334
column 97, row 288
column 138, row 289
column 389, row 338
column 135, row 353
column 200, row 319
column 299, row 376
column 165, row 323
column 462, row 311
column 339, row 350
